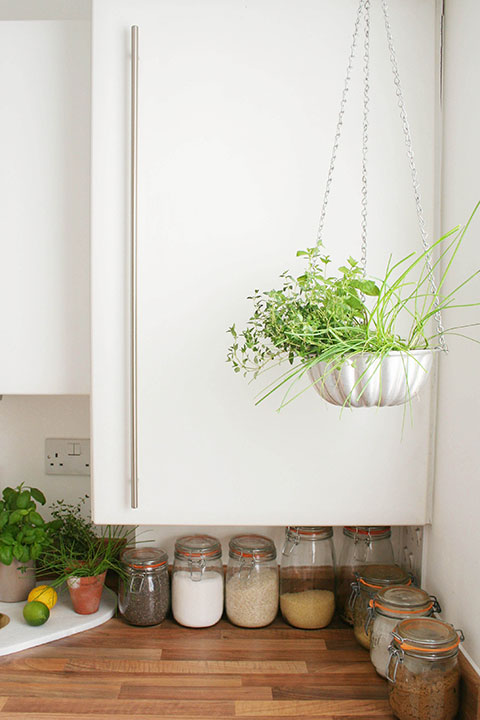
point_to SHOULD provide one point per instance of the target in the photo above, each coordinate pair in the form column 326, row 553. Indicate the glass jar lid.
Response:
column 309, row 532
column 197, row 547
column 255, row 547
column 427, row 637
column 374, row 577
column 144, row 558
column 365, row 532
column 397, row 600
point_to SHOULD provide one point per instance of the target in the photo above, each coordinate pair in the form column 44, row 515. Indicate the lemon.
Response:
column 44, row 594
column 36, row 613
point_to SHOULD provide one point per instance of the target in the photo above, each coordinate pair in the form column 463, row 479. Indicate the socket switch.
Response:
column 67, row 456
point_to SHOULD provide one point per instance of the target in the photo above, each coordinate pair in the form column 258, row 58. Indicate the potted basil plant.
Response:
column 23, row 535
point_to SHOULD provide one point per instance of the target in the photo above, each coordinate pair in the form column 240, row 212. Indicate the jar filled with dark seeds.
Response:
column 144, row 592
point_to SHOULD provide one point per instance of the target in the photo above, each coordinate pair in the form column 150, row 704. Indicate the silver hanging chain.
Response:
column 414, row 174
column 366, row 100
column 338, row 131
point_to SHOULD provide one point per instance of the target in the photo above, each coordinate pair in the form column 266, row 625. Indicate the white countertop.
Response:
column 63, row 621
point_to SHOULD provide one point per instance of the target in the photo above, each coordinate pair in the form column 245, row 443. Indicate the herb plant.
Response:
column 23, row 531
column 79, row 548
column 319, row 317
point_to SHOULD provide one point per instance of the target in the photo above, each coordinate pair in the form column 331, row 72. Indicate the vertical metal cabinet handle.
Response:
column 133, row 266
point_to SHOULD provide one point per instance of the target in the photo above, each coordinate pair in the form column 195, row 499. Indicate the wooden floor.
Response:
column 118, row 671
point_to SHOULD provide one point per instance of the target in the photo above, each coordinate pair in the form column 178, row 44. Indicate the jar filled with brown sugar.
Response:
column 307, row 577
column 423, row 672
column 369, row 580
column 362, row 545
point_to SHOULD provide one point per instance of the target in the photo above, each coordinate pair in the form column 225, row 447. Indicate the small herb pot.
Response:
column 86, row 593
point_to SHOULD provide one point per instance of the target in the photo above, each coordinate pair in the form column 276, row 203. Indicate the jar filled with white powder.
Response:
column 252, row 581
column 197, row 581
column 389, row 607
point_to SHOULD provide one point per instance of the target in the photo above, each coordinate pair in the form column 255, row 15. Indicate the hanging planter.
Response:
column 341, row 332
column 366, row 380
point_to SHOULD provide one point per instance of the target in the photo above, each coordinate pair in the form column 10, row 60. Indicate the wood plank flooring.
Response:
column 170, row 672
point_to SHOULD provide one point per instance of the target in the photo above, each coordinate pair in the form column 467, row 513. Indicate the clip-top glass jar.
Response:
column 423, row 671
column 197, row 581
column 389, row 607
column 371, row 579
column 144, row 593
column 251, row 591
column 362, row 545
column 307, row 577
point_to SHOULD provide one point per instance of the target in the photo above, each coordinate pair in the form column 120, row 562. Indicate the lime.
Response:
column 36, row 613
column 44, row 594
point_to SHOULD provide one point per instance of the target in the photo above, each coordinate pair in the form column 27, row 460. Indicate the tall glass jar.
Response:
column 307, row 577
column 251, row 591
column 423, row 671
column 362, row 545
column 388, row 607
column 144, row 592
column 197, row 581
column 369, row 580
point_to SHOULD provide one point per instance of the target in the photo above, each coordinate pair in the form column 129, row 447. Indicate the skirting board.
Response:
column 470, row 691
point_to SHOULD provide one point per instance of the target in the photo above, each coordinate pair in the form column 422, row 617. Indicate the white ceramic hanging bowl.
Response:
column 365, row 380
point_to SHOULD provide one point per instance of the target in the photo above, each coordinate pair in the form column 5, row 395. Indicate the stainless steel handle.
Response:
column 133, row 266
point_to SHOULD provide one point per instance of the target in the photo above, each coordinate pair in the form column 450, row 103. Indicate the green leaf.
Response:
column 23, row 499
column 355, row 303
column 301, row 252
column 6, row 554
column 7, row 539
column 15, row 517
column 35, row 551
column 3, row 519
column 38, row 496
column 344, row 269
column 35, row 518
column 18, row 551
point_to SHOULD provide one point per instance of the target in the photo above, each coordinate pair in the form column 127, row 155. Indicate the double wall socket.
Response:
column 67, row 456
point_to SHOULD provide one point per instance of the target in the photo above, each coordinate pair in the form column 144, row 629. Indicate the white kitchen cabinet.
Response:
column 44, row 218
column 237, row 110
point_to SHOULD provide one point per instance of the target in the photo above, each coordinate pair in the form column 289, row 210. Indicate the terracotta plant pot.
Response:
column 15, row 584
column 86, row 593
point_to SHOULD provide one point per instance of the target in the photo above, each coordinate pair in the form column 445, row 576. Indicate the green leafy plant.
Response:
column 23, row 531
column 318, row 317
column 79, row 548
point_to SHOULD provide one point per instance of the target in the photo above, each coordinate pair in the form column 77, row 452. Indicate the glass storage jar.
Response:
column 197, row 581
column 251, row 592
column 307, row 577
column 144, row 592
column 362, row 545
column 423, row 671
column 370, row 579
column 388, row 607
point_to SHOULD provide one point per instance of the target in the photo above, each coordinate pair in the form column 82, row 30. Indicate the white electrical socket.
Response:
column 67, row 456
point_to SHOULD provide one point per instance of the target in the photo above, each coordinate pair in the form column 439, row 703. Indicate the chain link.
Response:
column 366, row 100
column 414, row 175
column 338, row 131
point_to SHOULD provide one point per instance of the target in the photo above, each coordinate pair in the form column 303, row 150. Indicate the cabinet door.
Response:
column 237, row 109
column 44, row 218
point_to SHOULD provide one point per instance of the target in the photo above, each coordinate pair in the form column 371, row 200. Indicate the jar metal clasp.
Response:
column 197, row 568
column 369, row 616
column 136, row 582
column 291, row 541
column 397, row 655
column 353, row 595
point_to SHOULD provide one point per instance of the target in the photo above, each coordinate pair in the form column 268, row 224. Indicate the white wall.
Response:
column 25, row 422
column 452, row 558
